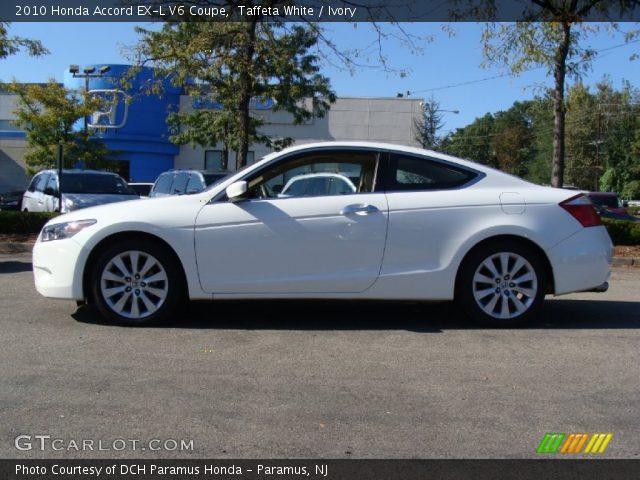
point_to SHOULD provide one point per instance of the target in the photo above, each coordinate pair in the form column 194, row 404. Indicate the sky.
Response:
column 436, row 68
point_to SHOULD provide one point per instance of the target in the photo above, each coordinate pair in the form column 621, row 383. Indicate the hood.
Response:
column 76, row 201
column 148, row 210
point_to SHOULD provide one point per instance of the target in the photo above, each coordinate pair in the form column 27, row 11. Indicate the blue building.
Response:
column 143, row 140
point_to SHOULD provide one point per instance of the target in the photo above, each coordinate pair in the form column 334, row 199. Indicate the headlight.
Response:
column 58, row 231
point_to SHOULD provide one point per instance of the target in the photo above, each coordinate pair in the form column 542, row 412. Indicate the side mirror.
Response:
column 236, row 190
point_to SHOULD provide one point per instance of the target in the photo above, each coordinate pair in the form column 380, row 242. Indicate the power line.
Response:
column 494, row 77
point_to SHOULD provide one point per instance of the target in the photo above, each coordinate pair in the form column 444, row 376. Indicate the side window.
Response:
column 317, row 174
column 52, row 183
column 195, row 184
column 407, row 172
column 34, row 183
column 163, row 184
column 42, row 182
column 179, row 186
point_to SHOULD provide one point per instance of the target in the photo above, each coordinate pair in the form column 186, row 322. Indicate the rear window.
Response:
column 414, row 173
column 95, row 183
column 180, row 183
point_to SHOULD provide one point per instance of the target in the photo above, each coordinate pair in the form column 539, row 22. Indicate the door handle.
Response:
column 358, row 209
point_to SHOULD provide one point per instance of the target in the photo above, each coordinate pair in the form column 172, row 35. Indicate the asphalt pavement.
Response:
column 315, row 379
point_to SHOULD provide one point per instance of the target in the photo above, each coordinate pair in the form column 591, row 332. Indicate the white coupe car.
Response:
column 420, row 226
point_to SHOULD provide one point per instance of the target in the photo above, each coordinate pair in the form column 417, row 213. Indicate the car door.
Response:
column 36, row 200
column 28, row 199
column 326, row 243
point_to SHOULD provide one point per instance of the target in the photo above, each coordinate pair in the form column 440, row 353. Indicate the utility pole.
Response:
column 60, row 164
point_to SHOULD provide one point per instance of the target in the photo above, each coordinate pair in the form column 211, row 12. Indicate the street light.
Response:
column 88, row 73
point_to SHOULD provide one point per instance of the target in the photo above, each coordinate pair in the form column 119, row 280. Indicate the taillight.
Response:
column 581, row 208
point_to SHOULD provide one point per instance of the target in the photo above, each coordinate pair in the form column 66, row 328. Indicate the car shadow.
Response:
column 13, row 266
column 417, row 317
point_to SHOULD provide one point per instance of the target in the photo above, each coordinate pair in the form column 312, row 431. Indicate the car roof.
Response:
column 386, row 146
column 180, row 170
column 77, row 170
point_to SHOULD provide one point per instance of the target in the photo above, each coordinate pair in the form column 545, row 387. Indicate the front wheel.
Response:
column 501, row 284
column 136, row 285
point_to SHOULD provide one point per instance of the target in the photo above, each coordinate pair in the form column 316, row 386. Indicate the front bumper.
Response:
column 583, row 261
column 57, row 268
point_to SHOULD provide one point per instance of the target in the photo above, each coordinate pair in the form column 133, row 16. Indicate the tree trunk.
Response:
column 245, row 93
column 560, row 70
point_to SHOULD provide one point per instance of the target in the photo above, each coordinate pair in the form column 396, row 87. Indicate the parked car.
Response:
column 80, row 189
column 11, row 200
column 141, row 188
column 312, row 184
column 420, row 226
column 606, row 213
column 184, row 182
column 608, row 201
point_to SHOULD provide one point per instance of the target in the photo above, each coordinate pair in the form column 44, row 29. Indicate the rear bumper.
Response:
column 583, row 261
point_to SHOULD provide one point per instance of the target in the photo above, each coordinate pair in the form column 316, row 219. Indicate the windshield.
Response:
column 95, row 183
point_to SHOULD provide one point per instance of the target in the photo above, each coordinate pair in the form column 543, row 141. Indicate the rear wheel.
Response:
column 501, row 284
column 136, row 284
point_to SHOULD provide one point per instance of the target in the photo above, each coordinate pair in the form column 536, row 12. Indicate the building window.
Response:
column 213, row 160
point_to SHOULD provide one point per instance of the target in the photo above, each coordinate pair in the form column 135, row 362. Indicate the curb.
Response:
column 19, row 247
column 626, row 262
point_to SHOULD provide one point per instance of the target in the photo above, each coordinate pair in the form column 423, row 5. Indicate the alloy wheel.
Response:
column 134, row 284
column 505, row 285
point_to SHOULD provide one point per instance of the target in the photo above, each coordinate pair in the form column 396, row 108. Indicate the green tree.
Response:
column 503, row 140
column 553, row 37
column 425, row 128
column 618, row 115
column 232, row 63
column 12, row 45
column 48, row 115
column 513, row 139
column 473, row 141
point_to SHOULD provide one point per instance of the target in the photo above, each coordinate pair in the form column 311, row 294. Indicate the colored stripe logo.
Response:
column 573, row 443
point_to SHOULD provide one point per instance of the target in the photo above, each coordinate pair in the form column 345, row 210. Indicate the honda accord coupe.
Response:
column 419, row 225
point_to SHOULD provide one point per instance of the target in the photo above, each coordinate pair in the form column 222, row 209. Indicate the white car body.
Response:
column 407, row 245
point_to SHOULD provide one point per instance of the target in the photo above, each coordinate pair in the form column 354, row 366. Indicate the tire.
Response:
column 501, row 284
column 149, row 298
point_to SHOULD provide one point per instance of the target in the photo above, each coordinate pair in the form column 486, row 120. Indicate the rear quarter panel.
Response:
column 430, row 232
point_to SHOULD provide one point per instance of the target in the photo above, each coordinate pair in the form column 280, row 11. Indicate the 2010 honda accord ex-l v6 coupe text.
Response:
column 417, row 225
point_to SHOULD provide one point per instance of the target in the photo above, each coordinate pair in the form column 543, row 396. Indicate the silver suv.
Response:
column 80, row 189
column 185, row 182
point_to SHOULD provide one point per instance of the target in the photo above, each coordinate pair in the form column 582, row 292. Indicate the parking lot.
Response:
column 318, row 379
